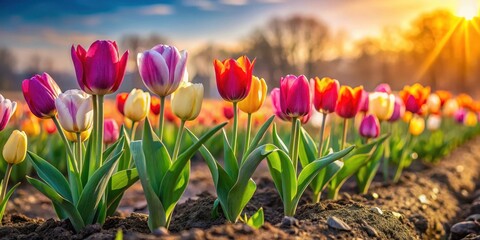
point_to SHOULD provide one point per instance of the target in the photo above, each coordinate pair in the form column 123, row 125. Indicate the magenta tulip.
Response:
column 383, row 87
column 295, row 96
column 275, row 96
column 7, row 108
column 459, row 115
column 110, row 132
column 40, row 92
column 364, row 102
column 398, row 110
column 99, row 70
column 369, row 127
column 162, row 68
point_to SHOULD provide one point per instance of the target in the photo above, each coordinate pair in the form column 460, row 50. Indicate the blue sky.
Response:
column 48, row 28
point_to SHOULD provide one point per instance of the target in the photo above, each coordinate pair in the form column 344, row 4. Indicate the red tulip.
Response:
column 349, row 101
column 295, row 99
column 325, row 94
column 228, row 111
column 234, row 78
column 40, row 92
column 99, row 70
column 414, row 97
column 155, row 105
column 120, row 101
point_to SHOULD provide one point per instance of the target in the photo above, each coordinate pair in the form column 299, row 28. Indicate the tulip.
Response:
column 99, row 70
column 7, row 109
column 444, row 96
column 234, row 78
column 398, row 109
column 464, row 100
column 383, row 87
column 459, row 115
column 450, row 107
column 470, row 119
column 155, row 105
column 349, row 101
column 120, row 102
column 162, row 68
column 187, row 101
column 49, row 127
column 414, row 97
column 369, row 127
column 295, row 100
column 72, row 137
column 417, row 125
column 15, row 149
column 382, row 105
column 325, row 94
column 75, row 111
column 275, row 96
column 228, row 111
column 30, row 126
column 364, row 102
column 433, row 122
column 40, row 92
column 137, row 105
column 256, row 96
column 111, row 131
column 434, row 103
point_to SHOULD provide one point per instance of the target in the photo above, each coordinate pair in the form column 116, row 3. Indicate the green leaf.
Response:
column 283, row 174
column 325, row 176
column 157, row 217
column 256, row 220
column 366, row 173
column 125, row 161
column 120, row 182
column 258, row 137
column 231, row 164
column 48, row 173
column 67, row 207
column 244, row 187
column 88, row 164
column 277, row 140
column 95, row 189
column 3, row 204
column 307, row 151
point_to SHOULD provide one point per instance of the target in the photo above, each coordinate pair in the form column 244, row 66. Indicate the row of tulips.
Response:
column 103, row 160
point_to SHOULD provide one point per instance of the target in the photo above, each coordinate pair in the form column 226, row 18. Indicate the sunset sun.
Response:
column 467, row 9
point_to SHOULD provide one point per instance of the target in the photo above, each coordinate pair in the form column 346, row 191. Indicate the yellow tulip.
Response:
column 381, row 105
column 15, row 148
column 137, row 105
column 407, row 116
column 470, row 119
column 187, row 101
column 256, row 96
column 417, row 125
column 72, row 137
column 434, row 103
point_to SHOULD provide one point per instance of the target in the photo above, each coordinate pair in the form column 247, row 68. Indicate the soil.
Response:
column 425, row 204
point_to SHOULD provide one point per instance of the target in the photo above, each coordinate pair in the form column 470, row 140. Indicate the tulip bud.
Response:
column 450, row 107
column 228, row 111
column 137, row 105
column 7, row 109
column 15, row 148
column 295, row 100
column 162, row 69
column 99, row 70
column 120, row 102
column 75, row 110
column 382, row 105
column 434, row 103
column 325, row 94
column 349, row 101
column 72, row 137
column 459, row 115
column 417, row 125
column 187, row 101
column 234, row 78
column 111, row 132
column 369, row 127
column 398, row 110
column 383, row 87
column 434, row 122
column 40, row 93
column 470, row 119
column 364, row 102
column 256, row 96
column 155, row 105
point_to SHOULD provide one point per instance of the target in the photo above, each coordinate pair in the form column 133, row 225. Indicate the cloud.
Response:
column 206, row 5
column 234, row 2
column 157, row 9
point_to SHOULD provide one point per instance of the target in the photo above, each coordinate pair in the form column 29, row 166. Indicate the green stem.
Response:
column 161, row 118
column 249, row 129
column 5, row 181
column 294, row 144
column 65, row 142
column 322, row 133
column 94, row 132
column 316, row 196
column 235, row 128
column 333, row 192
column 179, row 140
column 79, row 149
column 345, row 127
column 133, row 130
column 99, row 148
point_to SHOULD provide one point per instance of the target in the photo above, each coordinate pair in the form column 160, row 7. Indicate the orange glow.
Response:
column 467, row 9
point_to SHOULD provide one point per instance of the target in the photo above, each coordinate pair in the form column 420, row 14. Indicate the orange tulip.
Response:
column 414, row 97
column 349, row 101
column 444, row 96
column 325, row 94
column 120, row 101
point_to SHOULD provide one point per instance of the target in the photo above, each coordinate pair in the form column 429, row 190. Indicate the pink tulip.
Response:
column 99, row 70
column 40, row 92
column 364, row 102
column 459, row 115
column 369, row 127
column 162, row 68
column 111, row 131
column 398, row 110
column 295, row 96
column 275, row 96
column 383, row 87
column 7, row 108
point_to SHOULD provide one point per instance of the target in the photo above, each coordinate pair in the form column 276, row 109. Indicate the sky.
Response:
column 49, row 28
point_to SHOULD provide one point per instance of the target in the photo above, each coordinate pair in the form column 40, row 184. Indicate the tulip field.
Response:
column 311, row 159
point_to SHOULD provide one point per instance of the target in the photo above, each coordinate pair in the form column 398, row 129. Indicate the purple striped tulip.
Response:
column 40, row 92
column 162, row 68
column 369, row 127
column 7, row 108
column 398, row 109
column 383, row 87
column 99, row 70
column 75, row 110
column 295, row 96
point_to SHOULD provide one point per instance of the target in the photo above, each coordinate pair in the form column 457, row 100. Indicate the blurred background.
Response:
column 359, row 42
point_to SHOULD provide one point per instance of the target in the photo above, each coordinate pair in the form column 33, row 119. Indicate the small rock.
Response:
column 435, row 190
column 160, row 232
column 289, row 222
column 376, row 210
column 462, row 229
column 336, row 223
column 423, row 199
column 193, row 234
column 475, row 208
column 475, row 218
column 464, row 193
column 396, row 214
column 371, row 231
column 459, row 168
